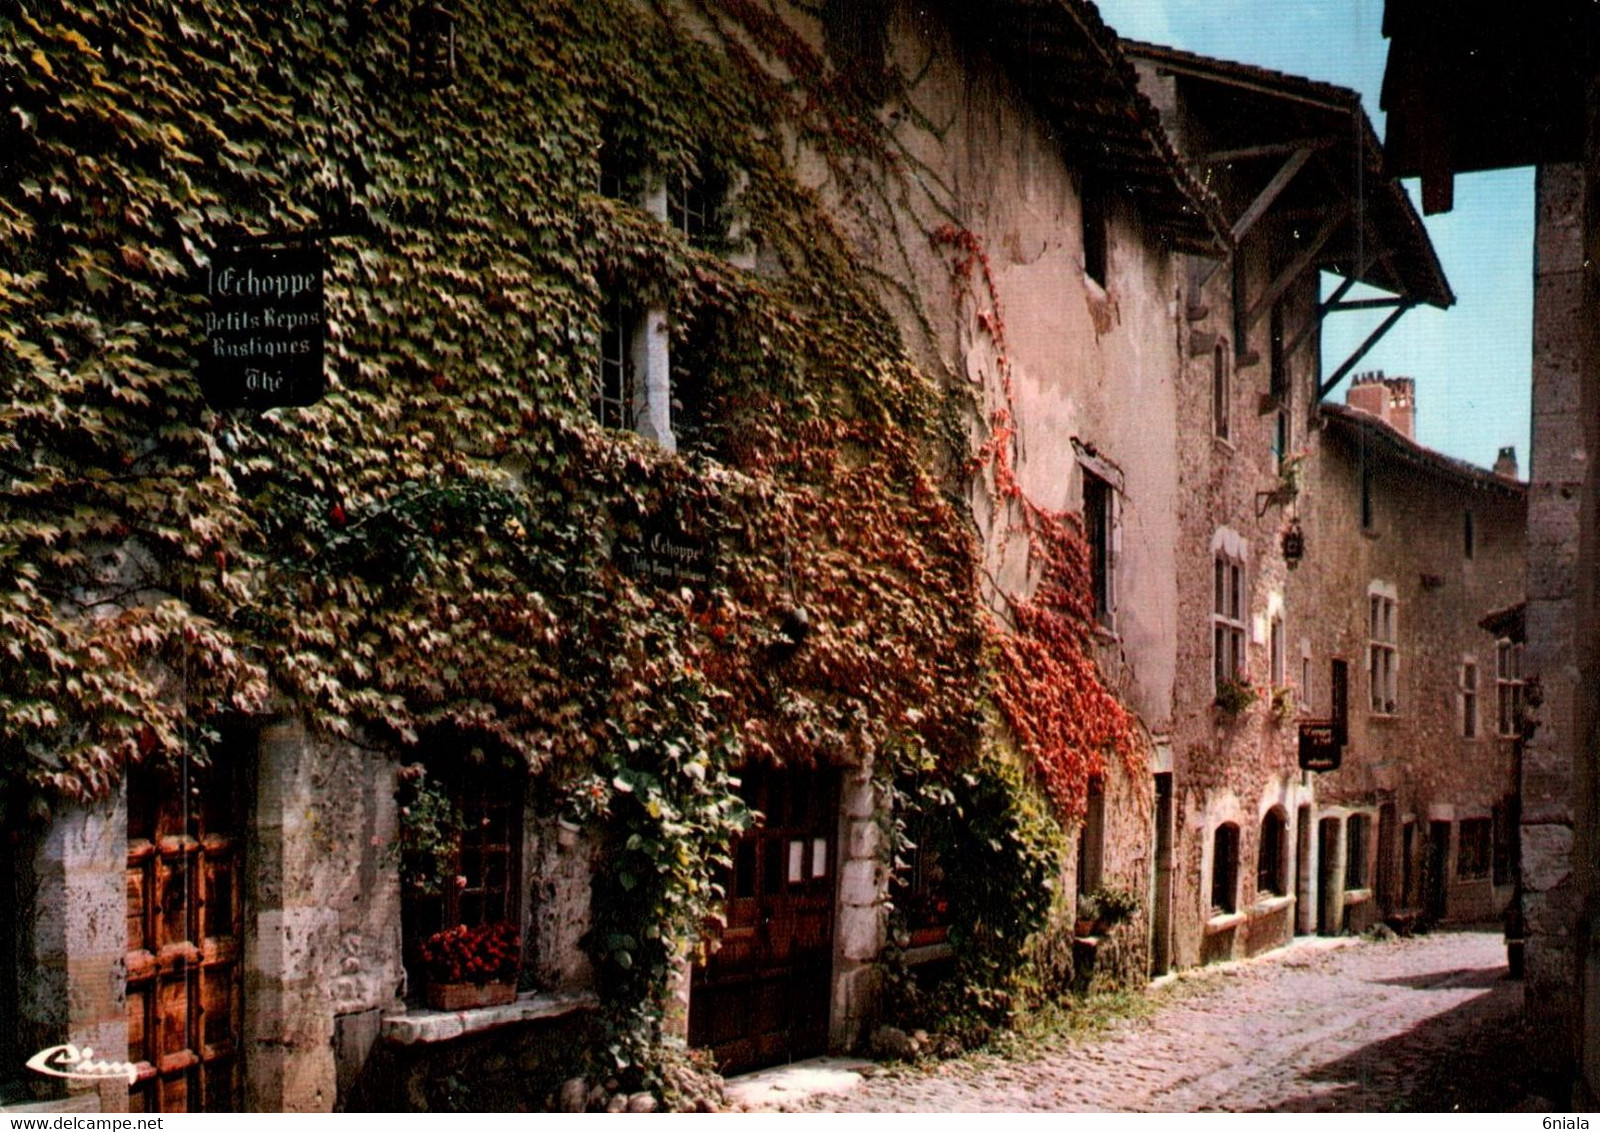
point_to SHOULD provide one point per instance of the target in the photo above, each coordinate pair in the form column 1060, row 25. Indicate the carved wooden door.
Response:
column 762, row 998
column 185, row 938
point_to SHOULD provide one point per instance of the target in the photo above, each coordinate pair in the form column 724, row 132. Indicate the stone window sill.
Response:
column 420, row 1027
column 931, row 953
column 1270, row 905
column 1357, row 896
column 1223, row 922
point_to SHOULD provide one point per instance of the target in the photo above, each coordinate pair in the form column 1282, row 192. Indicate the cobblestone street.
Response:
column 1422, row 1024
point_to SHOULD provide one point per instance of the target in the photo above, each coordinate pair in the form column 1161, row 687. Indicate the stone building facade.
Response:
column 278, row 866
column 1298, row 168
column 1474, row 91
column 1058, row 265
column 1407, row 554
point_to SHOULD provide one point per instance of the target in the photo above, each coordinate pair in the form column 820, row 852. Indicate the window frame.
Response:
column 1272, row 856
column 1357, row 863
column 1383, row 651
column 1509, row 685
column 1230, row 610
column 1225, row 868
column 1469, row 688
column 1221, row 393
column 476, row 793
column 611, row 384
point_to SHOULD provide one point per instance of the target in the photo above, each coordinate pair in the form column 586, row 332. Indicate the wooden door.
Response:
column 762, row 998
column 185, row 934
column 1435, row 877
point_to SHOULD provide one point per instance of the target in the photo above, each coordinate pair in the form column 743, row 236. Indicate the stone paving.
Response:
column 1429, row 1023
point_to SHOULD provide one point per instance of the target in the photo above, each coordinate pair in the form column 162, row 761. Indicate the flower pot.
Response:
column 566, row 833
column 469, row 996
column 1083, row 928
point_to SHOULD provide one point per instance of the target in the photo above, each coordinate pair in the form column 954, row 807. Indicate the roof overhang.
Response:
column 1387, row 443
column 1470, row 87
column 1258, row 120
column 1068, row 64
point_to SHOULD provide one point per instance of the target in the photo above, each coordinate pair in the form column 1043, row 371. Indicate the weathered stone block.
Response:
column 858, row 883
column 1546, row 856
column 865, row 840
column 1549, row 914
column 860, row 932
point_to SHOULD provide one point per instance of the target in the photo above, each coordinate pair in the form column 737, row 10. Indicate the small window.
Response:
column 1280, row 439
column 1273, row 854
column 1307, row 703
column 611, row 391
column 1383, row 653
column 1469, row 700
column 1099, row 517
column 1509, row 687
column 463, row 866
column 1278, row 661
column 1473, row 852
column 1221, row 401
column 1225, row 869
column 1355, row 852
column 1227, row 622
column 694, row 206
column 1366, row 499
column 1469, row 535
column 1095, row 210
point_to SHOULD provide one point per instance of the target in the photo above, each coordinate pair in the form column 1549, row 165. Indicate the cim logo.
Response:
column 79, row 1065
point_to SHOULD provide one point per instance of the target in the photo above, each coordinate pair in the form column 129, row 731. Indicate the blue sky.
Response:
column 1471, row 362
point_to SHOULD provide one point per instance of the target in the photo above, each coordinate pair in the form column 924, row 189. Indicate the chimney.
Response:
column 1393, row 400
column 1403, row 406
column 1505, row 464
column 1365, row 393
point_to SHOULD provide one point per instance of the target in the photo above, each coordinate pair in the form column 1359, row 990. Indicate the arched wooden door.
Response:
column 762, row 998
column 185, row 938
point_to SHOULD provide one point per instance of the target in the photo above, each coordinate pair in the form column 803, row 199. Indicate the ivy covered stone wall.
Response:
column 435, row 555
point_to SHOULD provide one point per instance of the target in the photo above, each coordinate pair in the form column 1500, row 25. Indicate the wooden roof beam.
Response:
column 1361, row 350
column 1301, row 262
column 1276, row 149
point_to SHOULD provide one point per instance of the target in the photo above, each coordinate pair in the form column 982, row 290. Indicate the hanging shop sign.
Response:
column 668, row 557
column 1319, row 746
column 265, row 327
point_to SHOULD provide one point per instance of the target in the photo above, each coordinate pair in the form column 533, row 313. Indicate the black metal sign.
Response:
column 265, row 325
column 669, row 558
column 1319, row 746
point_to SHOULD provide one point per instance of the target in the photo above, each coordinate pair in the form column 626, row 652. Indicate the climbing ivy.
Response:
column 433, row 548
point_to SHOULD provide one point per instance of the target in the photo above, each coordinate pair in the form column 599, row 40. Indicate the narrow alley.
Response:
column 1429, row 1023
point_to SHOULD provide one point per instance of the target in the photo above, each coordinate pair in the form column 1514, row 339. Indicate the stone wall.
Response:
column 72, row 943
column 1556, row 481
column 1417, row 761
column 322, row 915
